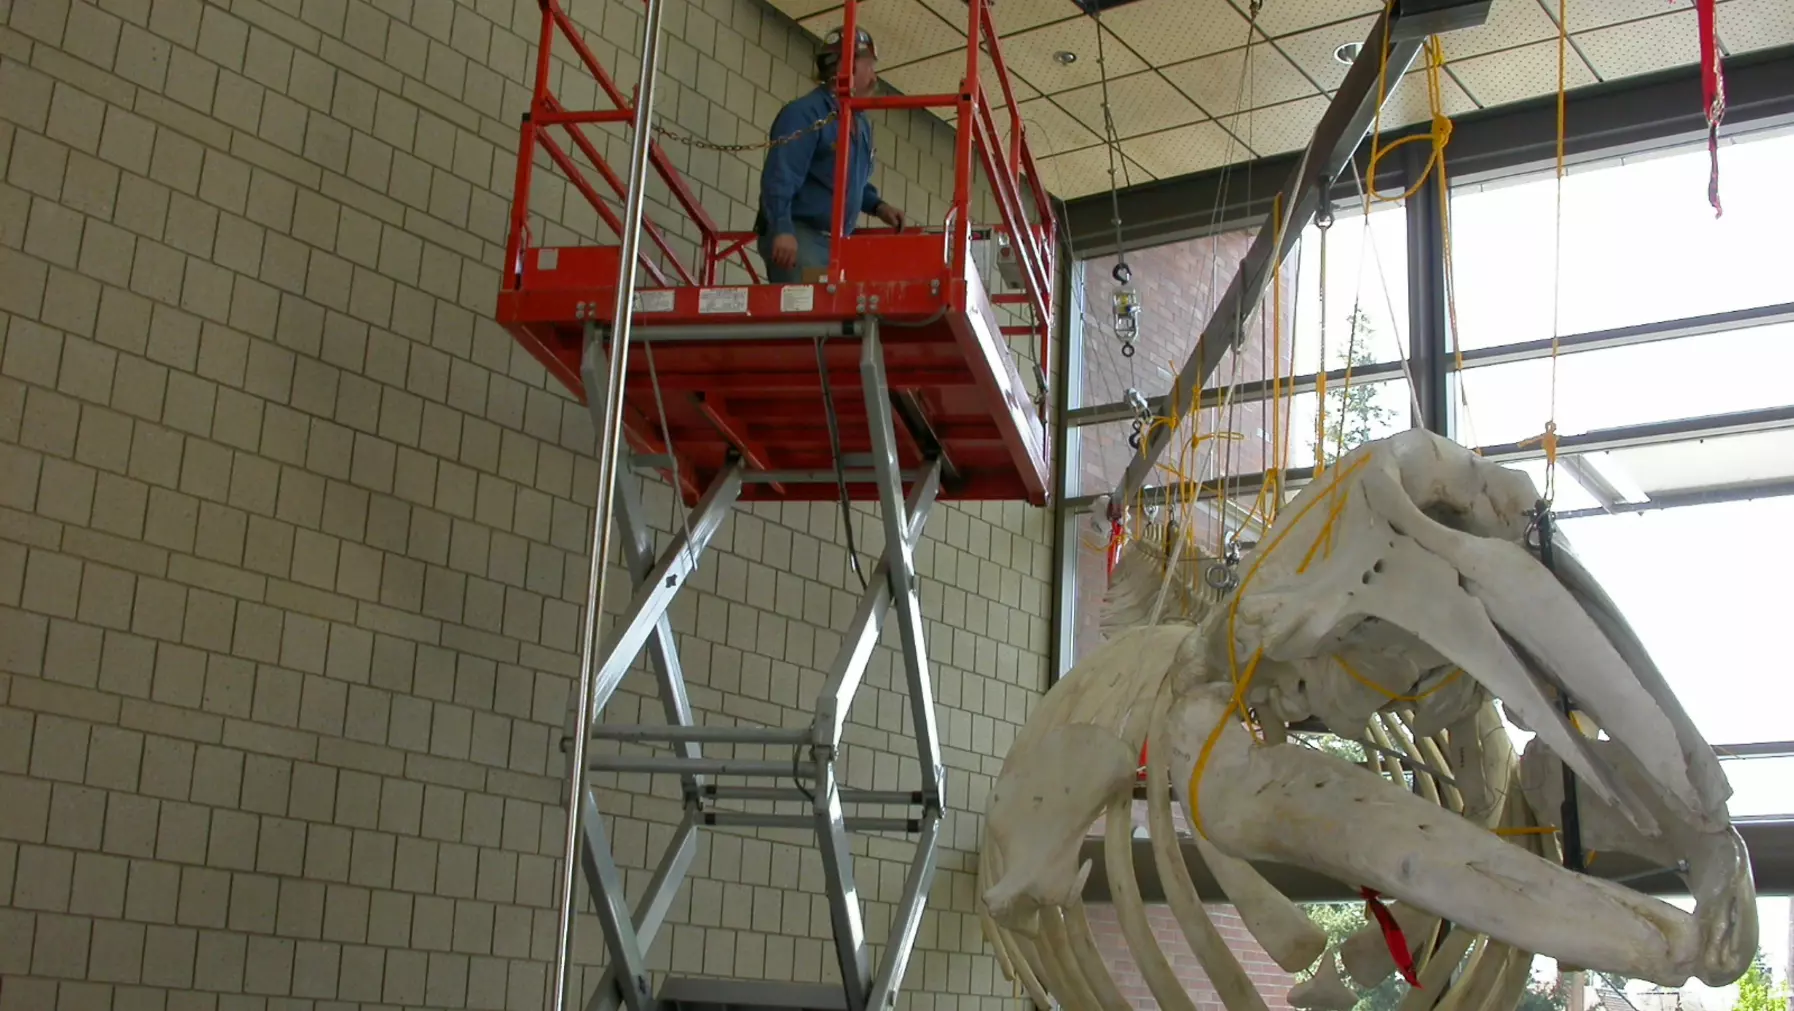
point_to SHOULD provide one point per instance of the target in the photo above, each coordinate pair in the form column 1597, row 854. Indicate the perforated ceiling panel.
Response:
column 1139, row 104
column 1174, row 66
column 1278, row 128
column 1171, row 33
column 1168, row 152
column 1034, row 55
column 1221, row 85
column 905, row 30
column 1515, row 74
column 1640, row 48
column 1745, row 25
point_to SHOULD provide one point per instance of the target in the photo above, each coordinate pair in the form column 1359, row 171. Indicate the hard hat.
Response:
column 829, row 58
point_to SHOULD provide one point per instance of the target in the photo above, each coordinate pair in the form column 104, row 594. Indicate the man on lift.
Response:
column 798, row 183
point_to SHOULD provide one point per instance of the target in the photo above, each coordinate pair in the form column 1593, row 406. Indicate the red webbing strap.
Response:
column 1712, row 94
column 1392, row 936
column 1117, row 537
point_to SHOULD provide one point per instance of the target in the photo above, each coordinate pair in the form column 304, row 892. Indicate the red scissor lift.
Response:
column 890, row 378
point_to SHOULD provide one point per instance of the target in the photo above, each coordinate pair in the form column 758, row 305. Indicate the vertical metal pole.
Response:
column 610, row 437
column 1427, row 322
column 843, row 210
column 1068, row 365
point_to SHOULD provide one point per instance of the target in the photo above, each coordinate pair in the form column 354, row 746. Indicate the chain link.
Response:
column 697, row 142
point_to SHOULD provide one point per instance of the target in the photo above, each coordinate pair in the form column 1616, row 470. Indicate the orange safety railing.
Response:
column 1008, row 164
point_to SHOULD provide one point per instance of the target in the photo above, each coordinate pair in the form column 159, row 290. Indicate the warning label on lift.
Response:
column 723, row 300
column 654, row 300
column 797, row 298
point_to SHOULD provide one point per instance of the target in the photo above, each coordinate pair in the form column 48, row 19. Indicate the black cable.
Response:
column 834, row 444
column 797, row 751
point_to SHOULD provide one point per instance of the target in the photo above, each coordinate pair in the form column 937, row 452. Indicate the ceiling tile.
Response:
column 1085, row 172
column 1516, row 74
column 1010, row 15
column 1185, row 149
column 904, row 29
column 1312, row 51
column 1410, row 103
column 1281, row 17
column 1171, row 31
column 1278, row 128
column 1140, row 104
column 1585, row 15
column 1030, row 54
column 1747, row 25
column 1640, row 47
column 1515, row 23
column 1051, row 130
column 1219, row 84
column 940, row 75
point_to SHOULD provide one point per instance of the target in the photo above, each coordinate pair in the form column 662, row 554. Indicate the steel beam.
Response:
column 900, row 560
column 849, row 667
column 1342, row 127
column 1428, row 326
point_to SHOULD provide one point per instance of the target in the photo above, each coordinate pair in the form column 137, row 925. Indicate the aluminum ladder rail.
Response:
column 812, row 779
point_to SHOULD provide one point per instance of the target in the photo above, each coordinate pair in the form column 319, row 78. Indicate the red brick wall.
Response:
column 1178, row 285
column 1271, row 980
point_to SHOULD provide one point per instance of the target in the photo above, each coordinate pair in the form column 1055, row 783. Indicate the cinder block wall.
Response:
column 292, row 537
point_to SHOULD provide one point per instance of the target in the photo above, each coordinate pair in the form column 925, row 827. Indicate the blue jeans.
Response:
column 812, row 253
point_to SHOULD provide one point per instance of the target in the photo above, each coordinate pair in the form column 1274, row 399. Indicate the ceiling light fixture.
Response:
column 1348, row 53
column 1066, row 56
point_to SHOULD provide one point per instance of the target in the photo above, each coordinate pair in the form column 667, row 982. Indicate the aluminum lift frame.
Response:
column 944, row 409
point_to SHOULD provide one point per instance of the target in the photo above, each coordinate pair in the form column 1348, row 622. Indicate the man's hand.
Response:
column 784, row 251
column 890, row 216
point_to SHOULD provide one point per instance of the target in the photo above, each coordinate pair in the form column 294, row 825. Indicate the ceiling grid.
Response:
column 1176, row 67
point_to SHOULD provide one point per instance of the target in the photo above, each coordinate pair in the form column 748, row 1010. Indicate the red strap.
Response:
column 1392, row 936
column 1116, row 539
column 1712, row 94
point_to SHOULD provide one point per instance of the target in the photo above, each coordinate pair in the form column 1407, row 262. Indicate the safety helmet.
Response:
column 829, row 59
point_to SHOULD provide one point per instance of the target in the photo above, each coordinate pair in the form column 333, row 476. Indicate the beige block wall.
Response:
column 292, row 536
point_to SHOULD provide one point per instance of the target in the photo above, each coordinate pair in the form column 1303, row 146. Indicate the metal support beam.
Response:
column 811, row 774
column 1428, row 325
column 1342, row 127
column 900, row 559
column 1068, row 390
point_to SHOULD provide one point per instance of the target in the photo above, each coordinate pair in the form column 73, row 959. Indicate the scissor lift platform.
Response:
column 888, row 379
column 739, row 377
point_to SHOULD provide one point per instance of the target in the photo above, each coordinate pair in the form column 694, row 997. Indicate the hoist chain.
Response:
column 690, row 141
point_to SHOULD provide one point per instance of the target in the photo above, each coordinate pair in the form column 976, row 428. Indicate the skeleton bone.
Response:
column 1368, row 597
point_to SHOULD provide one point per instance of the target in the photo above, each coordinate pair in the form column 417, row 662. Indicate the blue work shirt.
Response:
column 798, row 183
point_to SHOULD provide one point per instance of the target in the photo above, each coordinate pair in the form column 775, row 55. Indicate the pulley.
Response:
column 1136, row 402
column 1126, row 302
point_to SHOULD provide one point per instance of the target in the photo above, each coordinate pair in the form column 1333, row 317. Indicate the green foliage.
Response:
column 1341, row 920
column 1353, row 414
column 1539, row 996
column 1757, row 990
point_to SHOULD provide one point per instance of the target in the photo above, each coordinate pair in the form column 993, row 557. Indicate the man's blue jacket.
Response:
column 797, row 185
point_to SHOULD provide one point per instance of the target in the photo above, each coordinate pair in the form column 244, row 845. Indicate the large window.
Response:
column 1640, row 244
column 1676, row 472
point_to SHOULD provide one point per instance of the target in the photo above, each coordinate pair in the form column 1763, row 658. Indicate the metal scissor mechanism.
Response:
column 807, row 785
